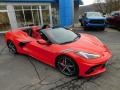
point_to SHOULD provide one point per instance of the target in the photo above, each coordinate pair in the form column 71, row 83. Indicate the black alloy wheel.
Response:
column 11, row 47
column 66, row 66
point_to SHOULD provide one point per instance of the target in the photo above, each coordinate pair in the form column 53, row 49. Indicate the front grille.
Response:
column 97, row 21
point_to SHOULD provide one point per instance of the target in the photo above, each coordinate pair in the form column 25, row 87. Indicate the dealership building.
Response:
column 19, row 13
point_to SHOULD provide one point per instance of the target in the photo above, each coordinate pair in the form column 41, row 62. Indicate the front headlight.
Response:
column 88, row 55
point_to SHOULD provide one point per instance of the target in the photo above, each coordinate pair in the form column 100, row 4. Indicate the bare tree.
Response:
column 100, row 5
column 108, row 6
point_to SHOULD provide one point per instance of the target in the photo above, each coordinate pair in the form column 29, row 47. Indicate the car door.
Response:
column 116, row 15
column 41, row 51
column 48, row 53
column 114, row 19
column 111, row 19
column 117, row 20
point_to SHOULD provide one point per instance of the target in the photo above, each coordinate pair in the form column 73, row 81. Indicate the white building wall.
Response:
column 12, row 17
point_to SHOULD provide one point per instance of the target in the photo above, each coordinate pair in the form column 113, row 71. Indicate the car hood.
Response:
column 98, row 18
column 86, row 43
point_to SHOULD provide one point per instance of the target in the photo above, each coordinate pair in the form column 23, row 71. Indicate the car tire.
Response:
column 12, row 47
column 66, row 66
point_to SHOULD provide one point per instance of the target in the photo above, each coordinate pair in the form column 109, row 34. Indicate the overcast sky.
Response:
column 87, row 2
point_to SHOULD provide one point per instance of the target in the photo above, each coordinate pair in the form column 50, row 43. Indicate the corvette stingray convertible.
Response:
column 72, row 54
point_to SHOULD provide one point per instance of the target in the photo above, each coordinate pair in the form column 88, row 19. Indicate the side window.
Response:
column 115, row 14
column 28, row 31
column 43, row 36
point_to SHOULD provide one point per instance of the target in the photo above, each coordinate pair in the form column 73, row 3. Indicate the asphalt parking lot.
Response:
column 19, row 72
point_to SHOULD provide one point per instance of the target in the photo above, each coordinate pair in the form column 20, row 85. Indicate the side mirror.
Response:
column 23, row 43
column 41, row 41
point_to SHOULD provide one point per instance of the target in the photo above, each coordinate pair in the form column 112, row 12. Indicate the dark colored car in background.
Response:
column 93, row 20
column 114, row 19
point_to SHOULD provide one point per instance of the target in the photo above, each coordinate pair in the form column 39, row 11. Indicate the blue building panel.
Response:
column 65, row 7
column 66, row 12
column 27, row 0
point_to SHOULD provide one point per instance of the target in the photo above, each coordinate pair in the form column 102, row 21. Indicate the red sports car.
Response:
column 71, row 53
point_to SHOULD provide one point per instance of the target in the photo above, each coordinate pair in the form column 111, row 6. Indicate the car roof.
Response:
column 92, row 12
column 115, row 12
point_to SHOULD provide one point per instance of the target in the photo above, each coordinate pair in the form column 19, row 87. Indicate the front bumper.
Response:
column 87, row 69
column 95, row 25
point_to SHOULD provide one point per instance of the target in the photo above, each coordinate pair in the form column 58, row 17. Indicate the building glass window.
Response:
column 28, row 15
column 20, row 18
column 2, row 7
column 55, row 15
column 45, row 14
column 26, row 7
column 36, row 15
column 32, row 15
column 4, row 20
column 17, row 7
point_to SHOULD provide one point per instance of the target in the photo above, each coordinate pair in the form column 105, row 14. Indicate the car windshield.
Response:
column 60, row 35
column 94, row 14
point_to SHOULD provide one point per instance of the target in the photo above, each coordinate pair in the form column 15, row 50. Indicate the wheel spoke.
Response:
column 66, row 66
column 71, row 66
column 11, row 47
column 61, row 64
column 68, row 69
column 63, row 69
column 65, row 62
